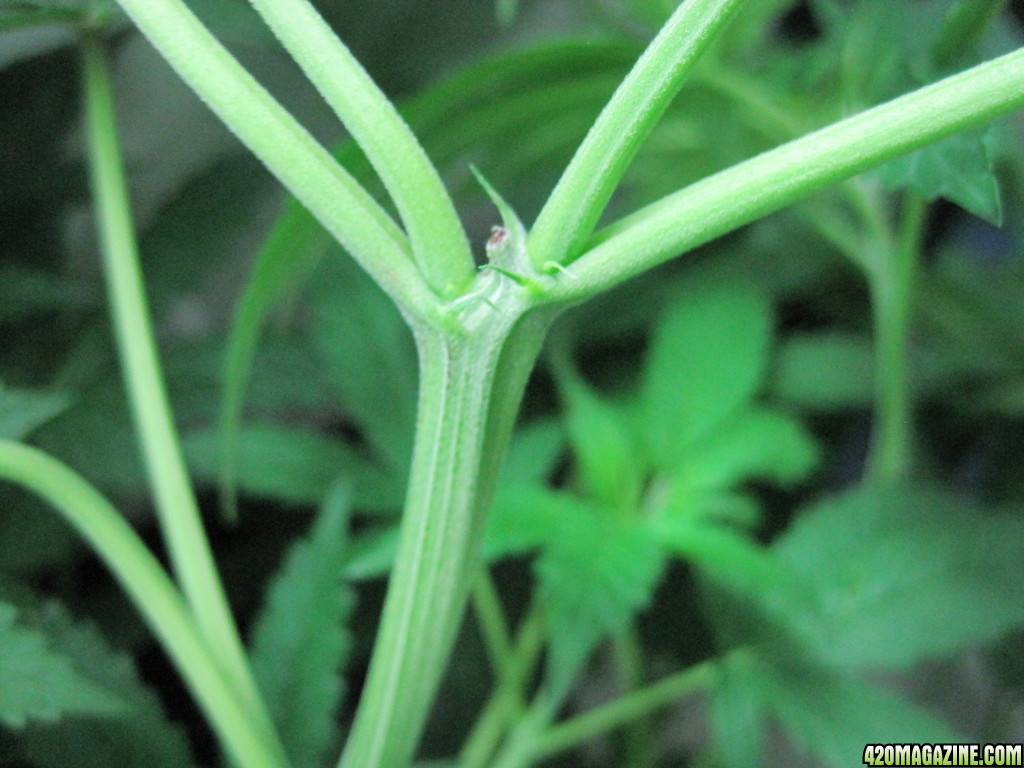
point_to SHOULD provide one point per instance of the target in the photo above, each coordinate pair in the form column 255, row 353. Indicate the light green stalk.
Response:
column 438, row 242
column 568, row 217
column 246, row 739
column 344, row 208
column 772, row 180
column 176, row 505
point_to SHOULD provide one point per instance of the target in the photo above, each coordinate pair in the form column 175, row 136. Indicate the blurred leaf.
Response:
column 706, row 361
column 368, row 352
column 22, row 410
column 763, row 599
column 594, row 573
column 755, row 444
column 299, row 641
column 524, row 515
column 958, row 169
column 211, row 218
column 607, row 461
column 140, row 736
column 737, row 712
column 295, row 466
column 95, row 436
column 371, row 553
column 875, row 43
column 831, row 716
column 533, row 452
column 41, row 682
column 904, row 575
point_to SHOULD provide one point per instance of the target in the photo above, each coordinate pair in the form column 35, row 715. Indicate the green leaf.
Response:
column 372, row 552
column 824, row 371
column 594, row 573
column 903, row 575
column 22, row 410
column 533, row 452
column 706, row 361
column 831, row 716
column 736, row 713
column 368, row 352
column 299, row 643
column 607, row 461
column 524, row 516
column 40, row 682
column 140, row 736
column 773, row 603
column 959, row 169
column 756, row 444
column 296, row 466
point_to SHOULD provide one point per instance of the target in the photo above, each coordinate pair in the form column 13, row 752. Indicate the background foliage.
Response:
column 691, row 482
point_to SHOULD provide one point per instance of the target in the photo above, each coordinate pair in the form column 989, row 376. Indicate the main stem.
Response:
column 471, row 382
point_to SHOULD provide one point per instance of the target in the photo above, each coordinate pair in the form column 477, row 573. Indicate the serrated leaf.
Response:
column 903, row 575
column 296, row 466
column 607, row 461
column 299, row 641
column 706, row 361
column 594, row 573
column 140, row 736
column 958, row 169
column 824, row 371
column 368, row 351
column 22, row 410
column 38, row 682
column 756, row 444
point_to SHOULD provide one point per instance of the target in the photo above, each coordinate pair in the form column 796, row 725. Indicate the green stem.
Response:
column 472, row 372
column 491, row 618
column 506, row 702
column 624, row 710
column 330, row 193
column 250, row 742
column 571, row 212
column 629, row 658
column 439, row 245
column 520, row 748
column 176, row 505
column 892, row 300
column 764, row 184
